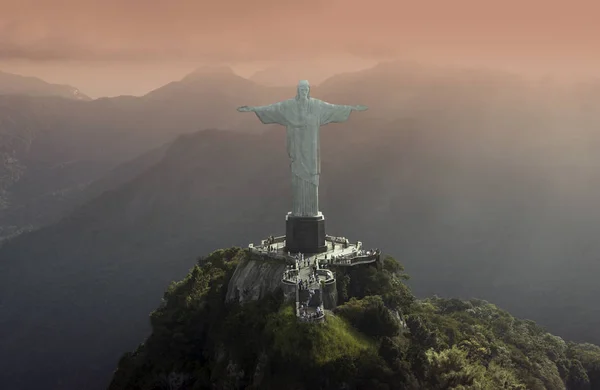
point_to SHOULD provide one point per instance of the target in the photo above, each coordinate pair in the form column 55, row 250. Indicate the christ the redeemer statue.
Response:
column 303, row 116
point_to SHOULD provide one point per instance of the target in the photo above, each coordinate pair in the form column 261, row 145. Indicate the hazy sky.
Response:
column 103, row 44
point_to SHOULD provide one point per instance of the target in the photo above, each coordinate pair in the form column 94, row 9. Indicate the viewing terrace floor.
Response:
column 342, row 251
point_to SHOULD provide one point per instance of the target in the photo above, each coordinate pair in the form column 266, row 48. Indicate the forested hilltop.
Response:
column 379, row 337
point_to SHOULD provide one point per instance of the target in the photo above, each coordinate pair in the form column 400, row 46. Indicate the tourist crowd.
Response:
column 306, row 315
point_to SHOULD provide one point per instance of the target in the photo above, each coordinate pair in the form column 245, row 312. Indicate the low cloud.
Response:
column 234, row 30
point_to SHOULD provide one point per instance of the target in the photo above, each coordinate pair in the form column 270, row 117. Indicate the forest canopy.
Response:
column 379, row 337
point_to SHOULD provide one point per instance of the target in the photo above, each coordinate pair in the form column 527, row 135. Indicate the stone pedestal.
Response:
column 305, row 234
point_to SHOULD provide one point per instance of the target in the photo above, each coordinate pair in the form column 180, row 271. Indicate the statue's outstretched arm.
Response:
column 331, row 106
column 336, row 113
column 270, row 107
column 273, row 113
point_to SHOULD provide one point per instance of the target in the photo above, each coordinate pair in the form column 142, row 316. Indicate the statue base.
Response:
column 305, row 234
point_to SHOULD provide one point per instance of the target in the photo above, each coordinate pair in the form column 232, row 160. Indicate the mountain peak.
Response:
column 205, row 70
column 201, row 80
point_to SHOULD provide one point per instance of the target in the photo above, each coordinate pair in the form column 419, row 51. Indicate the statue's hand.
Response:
column 244, row 109
column 360, row 108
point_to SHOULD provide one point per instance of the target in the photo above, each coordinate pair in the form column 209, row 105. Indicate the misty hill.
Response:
column 60, row 197
column 13, row 84
column 471, row 213
column 200, row 341
column 96, row 325
column 52, row 148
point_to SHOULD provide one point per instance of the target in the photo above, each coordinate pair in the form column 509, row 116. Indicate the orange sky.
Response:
column 84, row 38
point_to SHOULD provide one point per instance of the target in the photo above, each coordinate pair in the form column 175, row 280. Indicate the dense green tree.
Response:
column 577, row 378
column 379, row 337
column 370, row 316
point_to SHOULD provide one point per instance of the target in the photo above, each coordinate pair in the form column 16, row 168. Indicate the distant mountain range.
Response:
column 53, row 147
column 12, row 84
column 481, row 183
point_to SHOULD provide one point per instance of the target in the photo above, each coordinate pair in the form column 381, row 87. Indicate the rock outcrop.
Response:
column 253, row 278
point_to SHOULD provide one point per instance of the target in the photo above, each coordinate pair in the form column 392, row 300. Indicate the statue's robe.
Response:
column 303, row 119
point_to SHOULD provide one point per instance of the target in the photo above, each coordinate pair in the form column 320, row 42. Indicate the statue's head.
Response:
column 303, row 90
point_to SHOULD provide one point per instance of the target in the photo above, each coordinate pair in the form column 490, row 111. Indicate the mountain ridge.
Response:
column 95, row 136
column 11, row 83
column 108, row 131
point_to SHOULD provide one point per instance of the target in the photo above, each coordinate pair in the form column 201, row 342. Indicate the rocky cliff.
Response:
column 253, row 278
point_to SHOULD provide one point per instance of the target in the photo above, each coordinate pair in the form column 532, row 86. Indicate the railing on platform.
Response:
column 326, row 274
column 272, row 254
column 290, row 276
column 272, row 240
column 351, row 260
column 313, row 318
column 337, row 240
